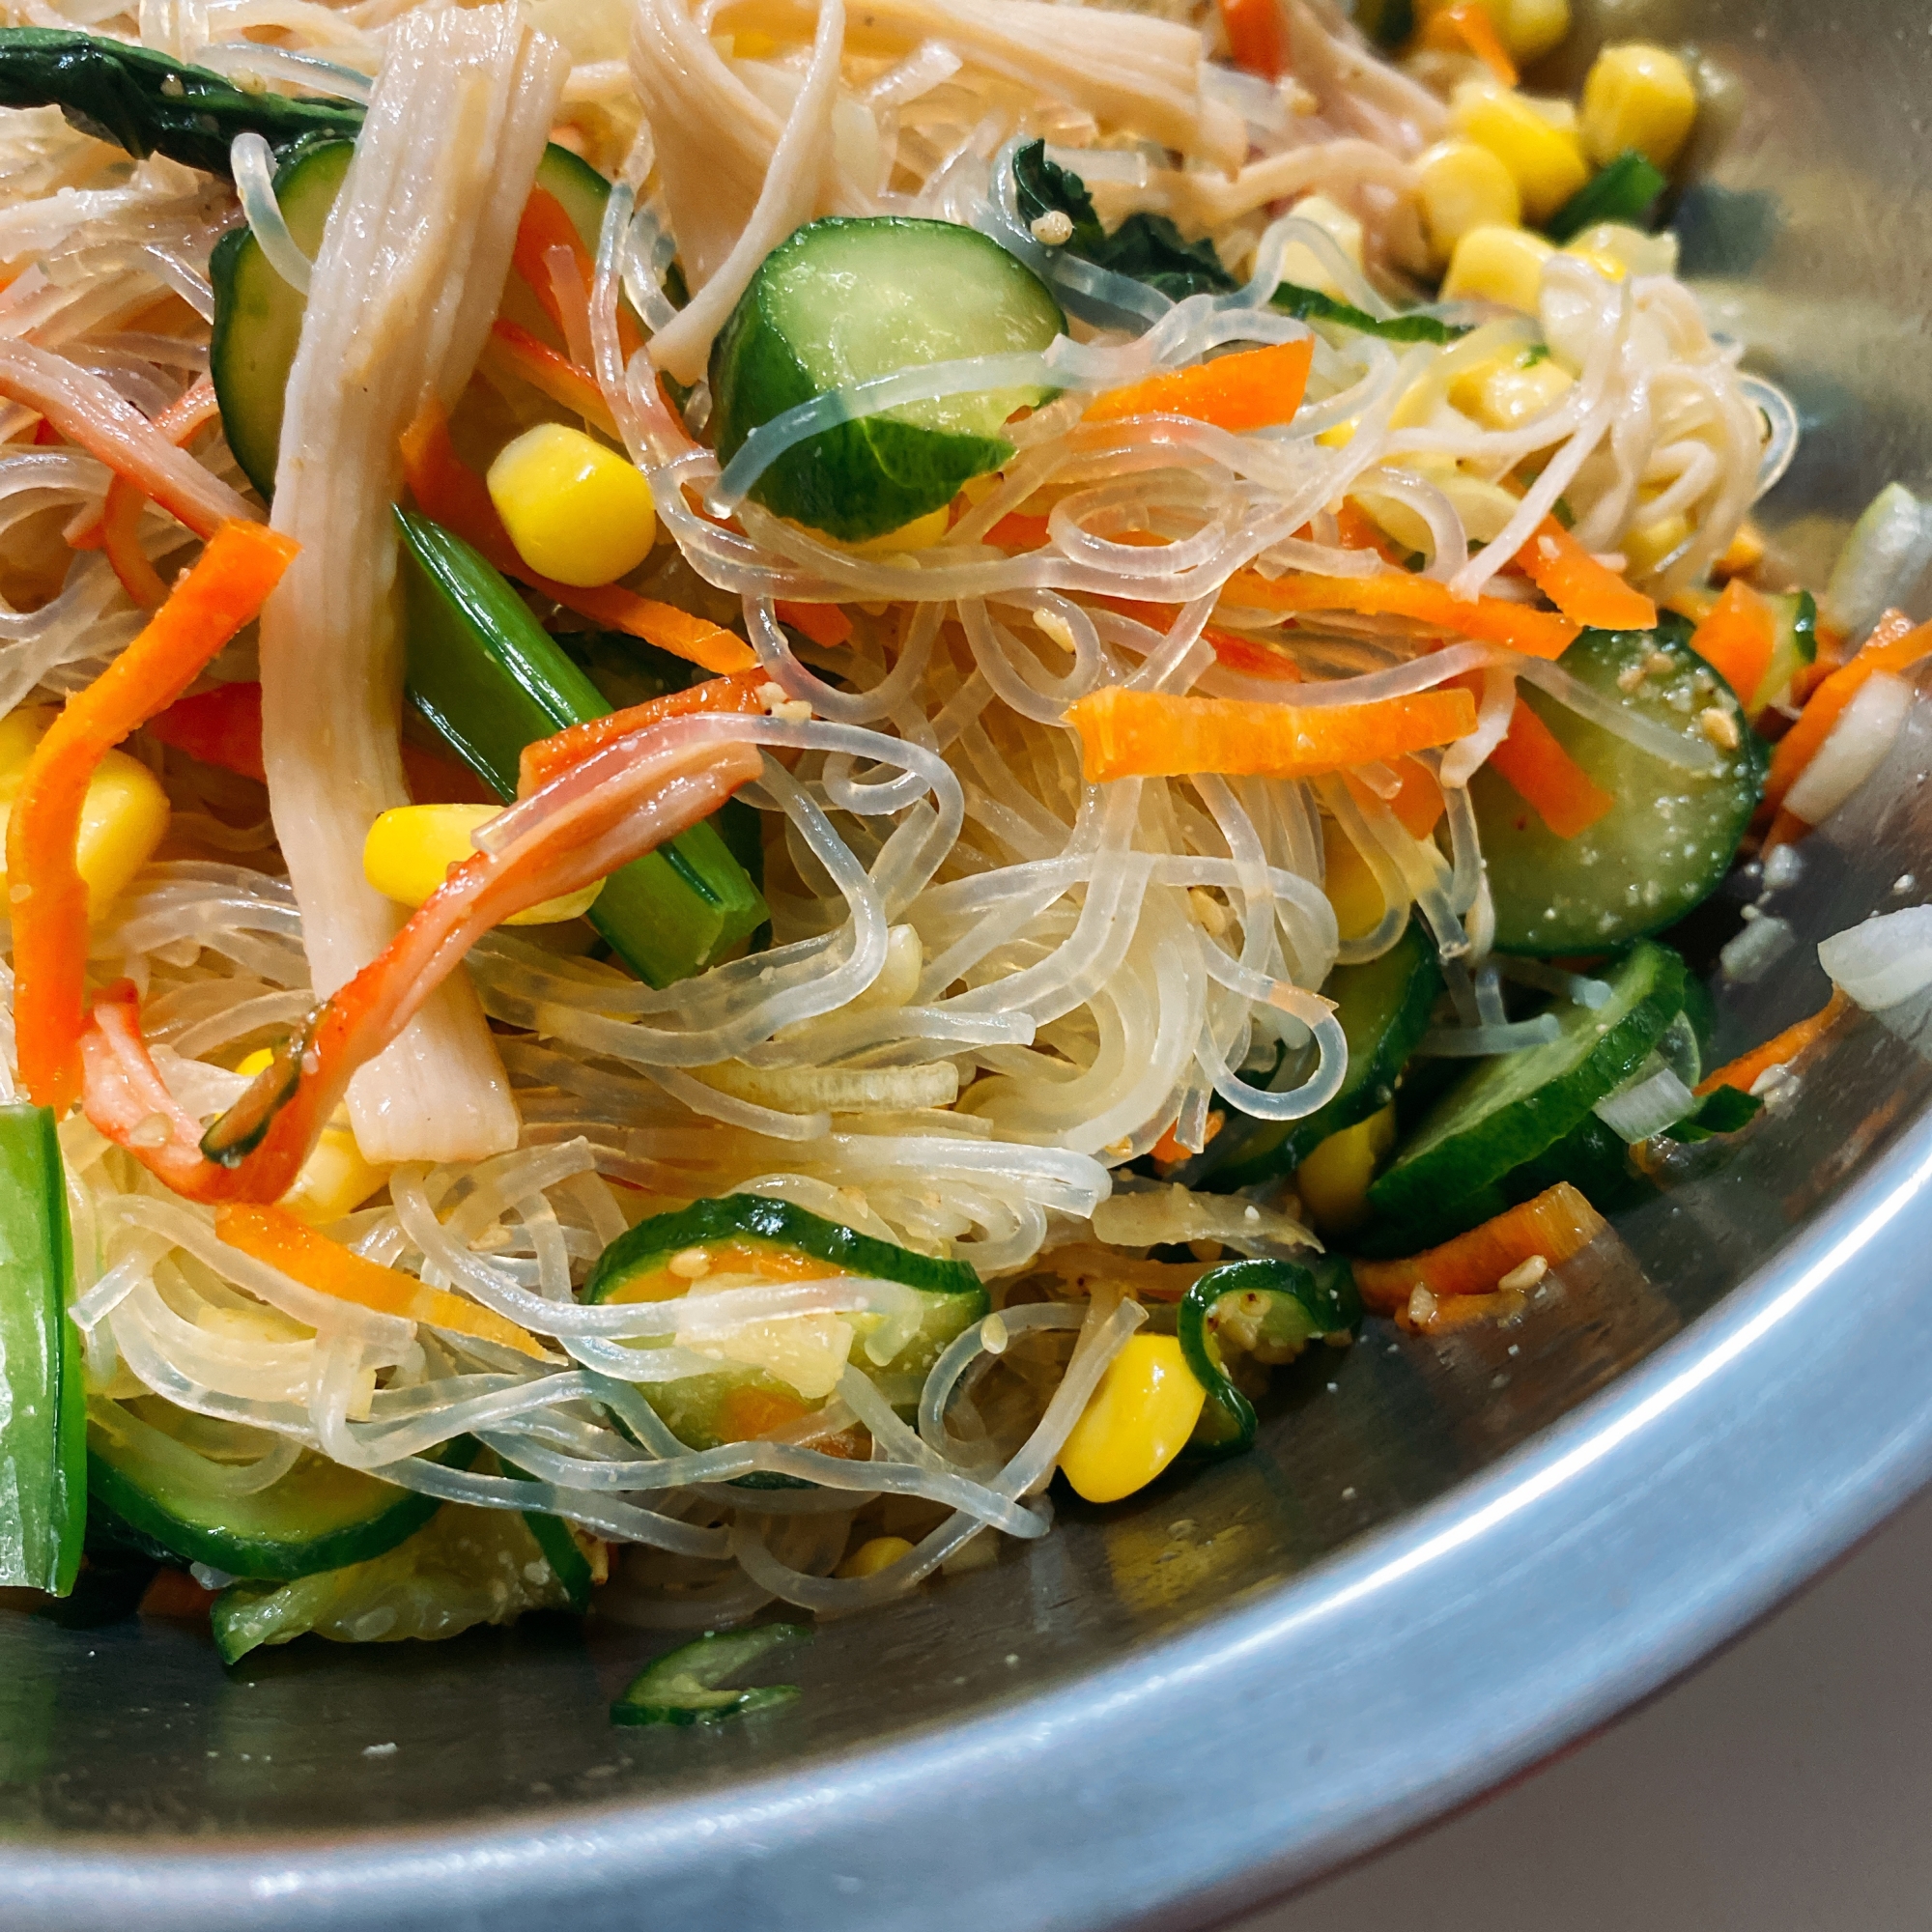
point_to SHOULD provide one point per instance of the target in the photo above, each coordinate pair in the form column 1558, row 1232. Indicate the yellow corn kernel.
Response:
column 574, row 510
column 1135, row 1422
column 1339, row 437
column 1333, row 1182
column 1509, row 392
column 1646, row 548
column 335, row 1180
column 20, row 731
column 1302, row 264
column 1544, row 161
column 1745, row 552
column 409, row 850
column 124, row 818
column 1350, row 886
column 1498, row 264
column 879, row 1552
column 1532, row 28
column 922, row 533
column 1461, row 186
column 1637, row 96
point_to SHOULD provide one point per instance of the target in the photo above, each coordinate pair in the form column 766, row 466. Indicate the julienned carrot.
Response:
column 223, row 728
column 1254, row 36
column 1252, row 657
column 1548, row 779
column 552, row 374
column 1827, row 704
column 1017, row 530
column 1417, row 801
column 1583, row 589
column 1356, row 529
column 1556, row 1224
column 1749, row 1069
column 1737, row 638
column 1156, row 734
column 273, row 1236
column 1397, row 593
column 227, row 586
column 1243, row 392
column 1468, row 22
column 825, row 624
column 451, row 494
column 541, row 761
column 546, row 226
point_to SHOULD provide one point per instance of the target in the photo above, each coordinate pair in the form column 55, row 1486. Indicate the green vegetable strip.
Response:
column 149, row 103
column 490, row 679
column 1624, row 190
column 44, row 1431
column 686, row 1685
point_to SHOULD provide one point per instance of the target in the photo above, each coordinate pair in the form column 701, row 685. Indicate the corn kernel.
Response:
column 1640, row 97
column 1646, row 548
column 1339, row 437
column 1509, row 392
column 1461, row 186
column 1302, row 265
column 1135, row 1422
column 1498, row 264
column 1745, row 552
column 122, row 818
column 1350, row 886
column 1532, row 28
column 922, row 533
column 878, row 1553
column 1333, row 1182
column 576, row 511
column 1544, row 161
column 335, row 1180
column 409, row 850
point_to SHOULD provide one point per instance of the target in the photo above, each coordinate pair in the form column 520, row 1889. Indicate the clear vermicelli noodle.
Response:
column 1030, row 628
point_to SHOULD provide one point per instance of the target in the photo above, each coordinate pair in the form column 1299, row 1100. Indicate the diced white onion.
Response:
column 1884, row 962
column 1884, row 557
column 1647, row 1108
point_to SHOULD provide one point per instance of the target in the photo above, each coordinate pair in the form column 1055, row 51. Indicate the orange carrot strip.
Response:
column 1358, row 530
column 1786, row 828
column 1254, row 36
column 546, row 226
column 552, row 374
column 227, row 586
column 1556, row 1224
column 1737, row 638
column 1468, row 21
column 1745, row 1071
column 1249, row 656
column 1396, row 593
column 273, row 1236
column 1016, row 530
column 1416, row 802
column 1132, row 734
column 449, row 491
column 1827, row 704
column 175, row 1595
column 1561, row 793
column 541, row 761
column 825, row 624
column 1248, row 391
column 1579, row 586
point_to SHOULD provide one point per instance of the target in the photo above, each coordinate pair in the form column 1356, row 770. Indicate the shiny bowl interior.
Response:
column 1443, row 1560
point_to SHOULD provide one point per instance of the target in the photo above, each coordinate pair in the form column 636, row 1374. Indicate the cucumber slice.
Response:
column 686, row 1685
column 1796, row 646
column 1672, row 833
column 1383, row 1006
column 258, row 317
column 490, row 679
column 465, row 1567
column 747, row 1233
column 317, row 1517
column 852, row 299
column 1511, row 1109
column 561, row 1549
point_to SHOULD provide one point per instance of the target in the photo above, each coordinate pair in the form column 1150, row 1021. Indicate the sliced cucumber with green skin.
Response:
column 316, row 1516
column 490, row 679
column 258, row 316
column 686, row 1685
column 1269, row 1311
column 1796, row 646
column 1669, row 840
column 736, row 1233
column 851, row 300
column 1383, row 1008
column 1508, row 1110
column 557, row 1541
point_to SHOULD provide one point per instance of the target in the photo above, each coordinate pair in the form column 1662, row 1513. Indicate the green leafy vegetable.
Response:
column 1723, row 1111
column 686, row 1685
column 1624, row 190
column 149, row 103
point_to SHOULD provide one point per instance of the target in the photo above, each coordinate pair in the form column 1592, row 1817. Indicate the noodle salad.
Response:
column 767, row 769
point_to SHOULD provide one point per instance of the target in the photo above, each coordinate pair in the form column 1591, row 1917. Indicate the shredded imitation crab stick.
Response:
column 593, row 818
column 1548, row 779
column 1584, row 590
column 1397, row 593
column 226, row 587
column 542, row 760
column 1149, row 734
column 273, row 1236
column 452, row 494
column 1557, row 1224
column 1239, row 392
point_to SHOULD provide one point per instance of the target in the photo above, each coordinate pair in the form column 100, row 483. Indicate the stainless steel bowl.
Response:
column 1443, row 1561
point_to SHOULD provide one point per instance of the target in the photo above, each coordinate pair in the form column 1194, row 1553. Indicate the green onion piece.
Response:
column 1623, row 191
